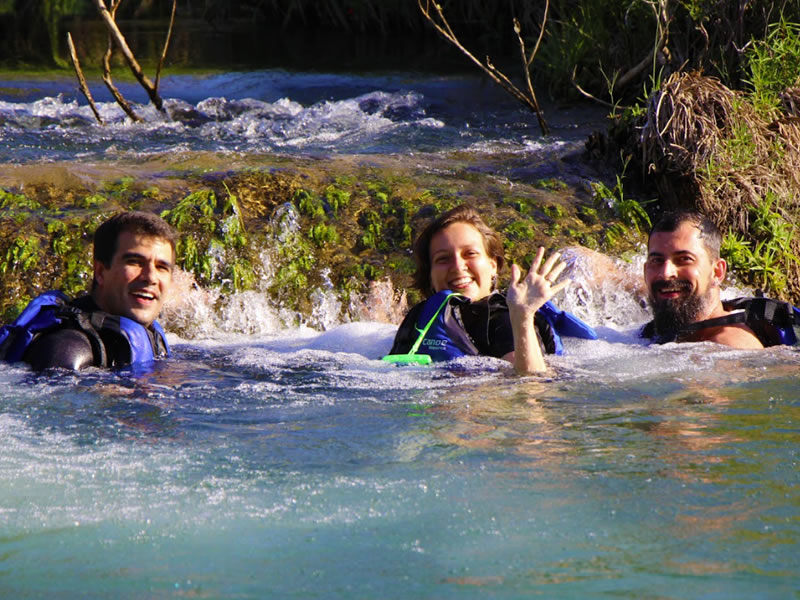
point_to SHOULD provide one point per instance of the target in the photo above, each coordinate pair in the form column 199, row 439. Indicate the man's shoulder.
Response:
column 736, row 335
column 65, row 347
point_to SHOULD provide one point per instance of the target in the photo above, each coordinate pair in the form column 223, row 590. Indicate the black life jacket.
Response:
column 773, row 322
column 131, row 342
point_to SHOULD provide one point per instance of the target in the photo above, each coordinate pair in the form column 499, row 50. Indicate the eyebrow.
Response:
column 138, row 256
column 676, row 253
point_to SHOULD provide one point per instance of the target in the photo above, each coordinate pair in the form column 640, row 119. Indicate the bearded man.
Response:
column 683, row 275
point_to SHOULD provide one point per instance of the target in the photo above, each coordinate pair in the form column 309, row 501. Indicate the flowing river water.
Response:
column 292, row 463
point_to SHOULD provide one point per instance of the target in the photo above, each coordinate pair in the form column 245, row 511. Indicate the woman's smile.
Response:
column 459, row 262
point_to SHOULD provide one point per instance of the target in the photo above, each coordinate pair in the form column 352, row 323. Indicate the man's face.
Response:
column 135, row 285
column 682, row 280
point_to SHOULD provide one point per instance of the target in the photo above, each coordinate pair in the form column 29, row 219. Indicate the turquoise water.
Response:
column 255, row 471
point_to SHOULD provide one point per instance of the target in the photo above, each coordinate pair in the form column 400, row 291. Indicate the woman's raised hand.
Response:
column 525, row 296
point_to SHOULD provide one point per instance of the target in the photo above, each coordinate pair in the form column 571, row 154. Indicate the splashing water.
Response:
column 274, row 111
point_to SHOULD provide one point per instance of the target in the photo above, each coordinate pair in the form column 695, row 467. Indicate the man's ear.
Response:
column 720, row 268
column 99, row 272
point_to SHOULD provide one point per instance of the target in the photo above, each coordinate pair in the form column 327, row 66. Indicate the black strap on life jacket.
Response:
column 495, row 306
column 90, row 324
column 105, row 335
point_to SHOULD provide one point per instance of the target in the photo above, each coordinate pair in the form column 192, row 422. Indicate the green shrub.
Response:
column 774, row 65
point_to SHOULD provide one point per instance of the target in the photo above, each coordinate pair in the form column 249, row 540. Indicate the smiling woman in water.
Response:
column 458, row 259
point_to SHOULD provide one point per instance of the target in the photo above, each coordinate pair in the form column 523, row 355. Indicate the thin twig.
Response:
column 527, row 72
column 443, row 27
column 81, row 79
column 541, row 33
column 586, row 94
column 448, row 33
column 120, row 99
column 166, row 43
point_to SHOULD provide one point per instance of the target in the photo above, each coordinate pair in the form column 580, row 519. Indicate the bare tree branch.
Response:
column 541, row 33
column 166, row 43
column 527, row 63
column 136, row 69
column 586, row 94
column 107, row 71
column 81, row 79
column 441, row 25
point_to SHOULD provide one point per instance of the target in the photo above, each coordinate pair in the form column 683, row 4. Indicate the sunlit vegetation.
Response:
column 263, row 230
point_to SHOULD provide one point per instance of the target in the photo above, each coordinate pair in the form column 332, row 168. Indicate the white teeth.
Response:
column 461, row 281
column 144, row 295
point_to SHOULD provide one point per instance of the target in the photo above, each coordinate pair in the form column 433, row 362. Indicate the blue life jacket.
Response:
column 564, row 323
column 773, row 322
column 53, row 310
column 443, row 337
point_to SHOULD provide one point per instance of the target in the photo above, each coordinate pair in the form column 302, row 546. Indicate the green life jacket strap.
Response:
column 425, row 329
column 411, row 356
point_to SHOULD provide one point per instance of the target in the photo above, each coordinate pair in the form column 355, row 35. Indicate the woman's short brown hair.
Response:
column 492, row 243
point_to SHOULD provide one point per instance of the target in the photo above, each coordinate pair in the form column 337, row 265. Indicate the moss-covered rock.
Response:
column 277, row 226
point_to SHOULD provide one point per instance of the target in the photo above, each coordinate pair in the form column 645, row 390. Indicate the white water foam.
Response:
column 253, row 112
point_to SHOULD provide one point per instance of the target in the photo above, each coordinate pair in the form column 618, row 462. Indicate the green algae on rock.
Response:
column 280, row 227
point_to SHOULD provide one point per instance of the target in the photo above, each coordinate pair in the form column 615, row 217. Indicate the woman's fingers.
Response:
column 558, row 287
column 548, row 264
column 551, row 269
column 538, row 260
column 548, row 271
column 515, row 273
column 556, row 271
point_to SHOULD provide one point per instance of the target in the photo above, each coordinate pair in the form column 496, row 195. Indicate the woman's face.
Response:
column 459, row 262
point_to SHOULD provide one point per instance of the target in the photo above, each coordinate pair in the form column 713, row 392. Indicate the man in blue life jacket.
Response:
column 683, row 274
column 115, row 323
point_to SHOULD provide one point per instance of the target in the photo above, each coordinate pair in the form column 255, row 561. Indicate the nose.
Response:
column 668, row 270
column 459, row 262
column 148, row 272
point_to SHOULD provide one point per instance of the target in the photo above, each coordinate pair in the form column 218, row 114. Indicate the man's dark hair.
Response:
column 143, row 223
column 492, row 243
column 709, row 233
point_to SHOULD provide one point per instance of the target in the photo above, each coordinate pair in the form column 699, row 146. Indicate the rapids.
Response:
column 276, row 111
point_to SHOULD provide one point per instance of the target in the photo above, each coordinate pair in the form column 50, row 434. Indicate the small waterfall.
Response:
column 605, row 291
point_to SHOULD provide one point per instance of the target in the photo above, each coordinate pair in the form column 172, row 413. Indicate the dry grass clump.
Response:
column 732, row 164
column 685, row 121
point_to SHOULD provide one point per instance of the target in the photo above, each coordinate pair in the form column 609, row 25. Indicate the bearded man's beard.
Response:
column 670, row 315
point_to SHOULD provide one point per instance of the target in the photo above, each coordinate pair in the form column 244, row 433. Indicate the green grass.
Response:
column 774, row 64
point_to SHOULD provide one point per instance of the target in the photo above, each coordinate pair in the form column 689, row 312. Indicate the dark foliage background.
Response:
column 598, row 40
